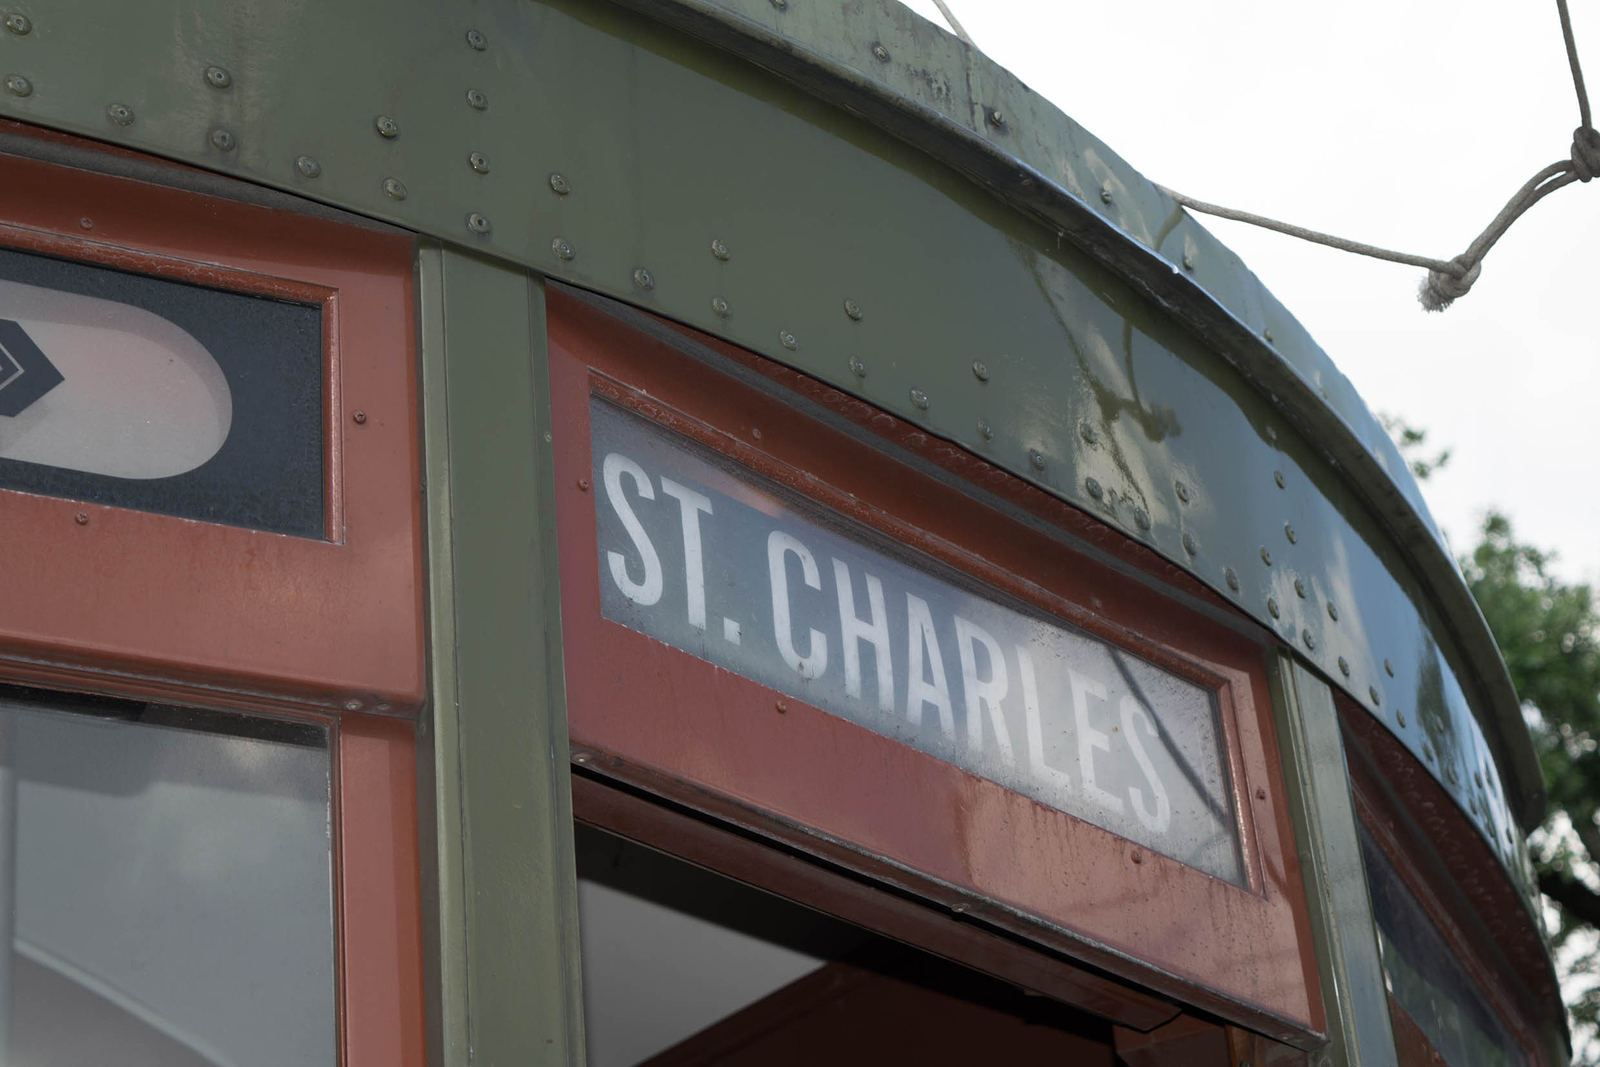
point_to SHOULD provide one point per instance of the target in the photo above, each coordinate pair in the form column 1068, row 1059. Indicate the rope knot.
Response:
column 1586, row 152
column 1440, row 289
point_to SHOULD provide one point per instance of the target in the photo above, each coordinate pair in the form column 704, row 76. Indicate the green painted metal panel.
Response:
column 1022, row 316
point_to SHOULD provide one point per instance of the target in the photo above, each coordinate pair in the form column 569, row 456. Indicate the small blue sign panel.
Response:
column 717, row 561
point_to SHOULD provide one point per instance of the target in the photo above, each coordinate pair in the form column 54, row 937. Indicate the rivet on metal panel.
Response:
column 986, row 431
column 1400, row 717
column 643, row 278
column 1300, row 588
column 478, row 162
column 477, row 41
column 360, row 418
column 1105, row 192
column 1093, row 487
column 720, row 307
column 880, row 53
column 386, row 127
column 561, row 248
column 121, row 114
column 1272, row 434
column 1450, row 773
column 1233, row 578
column 86, row 222
column 1388, row 668
column 787, row 340
column 781, row 707
column 478, row 224
column 1086, row 432
column 1372, row 693
column 1188, row 544
column 781, row 5
column 1268, row 336
column 919, row 399
column 583, row 485
column 308, row 167
column 1141, row 518
column 1182, row 490
column 81, row 518
column 218, row 77
column 1477, row 779
column 1333, row 611
column 1311, row 642
column 1272, row 607
column 1288, row 531
column 1136, row 856
column 560, row 185
column 1261, row 794
column 581, row 757
column 1277, row 476
column 17, row 85
column 394, row 188
column 476, row 100
column 719, row 248
column 1266, row 557
column 1344, row 666
column 996, row 119
column 851, row 308
column 18, row 24
column 857, row 367
column 352, row 705
column 222, row 140
column 1188, row 261
column 980, row 370
column 1427, row 752
column 1036, row 459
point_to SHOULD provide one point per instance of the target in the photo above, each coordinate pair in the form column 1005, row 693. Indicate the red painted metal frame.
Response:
column 123, row 601
column 665, row 721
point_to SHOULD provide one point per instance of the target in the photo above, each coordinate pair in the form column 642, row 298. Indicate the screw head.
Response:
column 643, row 278
column 1333, row 611
column 476, row 100
column 1288, row 531
column 583, row 485
column 880, row 53
column 86, row 223
column 17, row 85
column 386, row 127
column 788, row 340
column 1182, row 490
column 477, row 41
column 559, row 184
column 719, row 248
column 394, row 188
column 1136, row 856
column 1272, row 607
column 218, row 77
column 1094, row 489
column 1189, row 546
column 222, row 140
column 980, row 370
column 352, row 705
column 19, row 24
column 1036, row 459
column 360, row 418
column 1266, row 557
column 1105, row 192
column 996, row 119
column 919, row 399
column 1268, row 335
column 1261, row 794
column 121, row 114
column 857, row 367
column 1088, row 434
column 852, row 309
column 1344, row 666
column 81, row 518
column 985, row 431
column 1310, row 642
column 1233, row 578
column 1188, row 261
column 719, row 306
column 308, row 167
column 562, row 248
column 478, row 162
column 478, row 224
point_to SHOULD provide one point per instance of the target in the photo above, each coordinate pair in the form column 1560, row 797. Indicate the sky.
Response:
column 1406, row 124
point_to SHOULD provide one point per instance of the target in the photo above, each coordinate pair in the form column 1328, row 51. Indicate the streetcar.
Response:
column 698, row 531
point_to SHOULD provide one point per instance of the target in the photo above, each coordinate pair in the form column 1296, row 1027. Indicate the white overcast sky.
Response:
column 1402, row 123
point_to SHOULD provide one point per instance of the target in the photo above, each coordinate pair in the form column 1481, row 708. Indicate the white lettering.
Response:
column 691, row 504
column 1090, row 739
column 648, row 591
column 920, row 636
column 980, row 694
column 1161, row 818
column 778, row 545
column 857, row 629
column 1053, row 776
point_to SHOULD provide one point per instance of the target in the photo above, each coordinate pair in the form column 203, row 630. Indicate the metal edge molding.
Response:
column 894, row 215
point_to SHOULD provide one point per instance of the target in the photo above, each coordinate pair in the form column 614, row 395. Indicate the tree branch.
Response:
column 1573, row 896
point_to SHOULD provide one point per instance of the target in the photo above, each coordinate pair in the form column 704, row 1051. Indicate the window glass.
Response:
column 153, row 394
column 1426, row 979
column 166, row 878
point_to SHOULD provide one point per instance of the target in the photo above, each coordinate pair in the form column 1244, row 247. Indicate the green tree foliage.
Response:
column 1547, row 630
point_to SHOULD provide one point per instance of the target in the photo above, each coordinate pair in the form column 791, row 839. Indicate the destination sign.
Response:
column 717, row 561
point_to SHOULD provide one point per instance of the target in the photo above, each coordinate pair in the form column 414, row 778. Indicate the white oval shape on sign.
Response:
column 140, row 397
